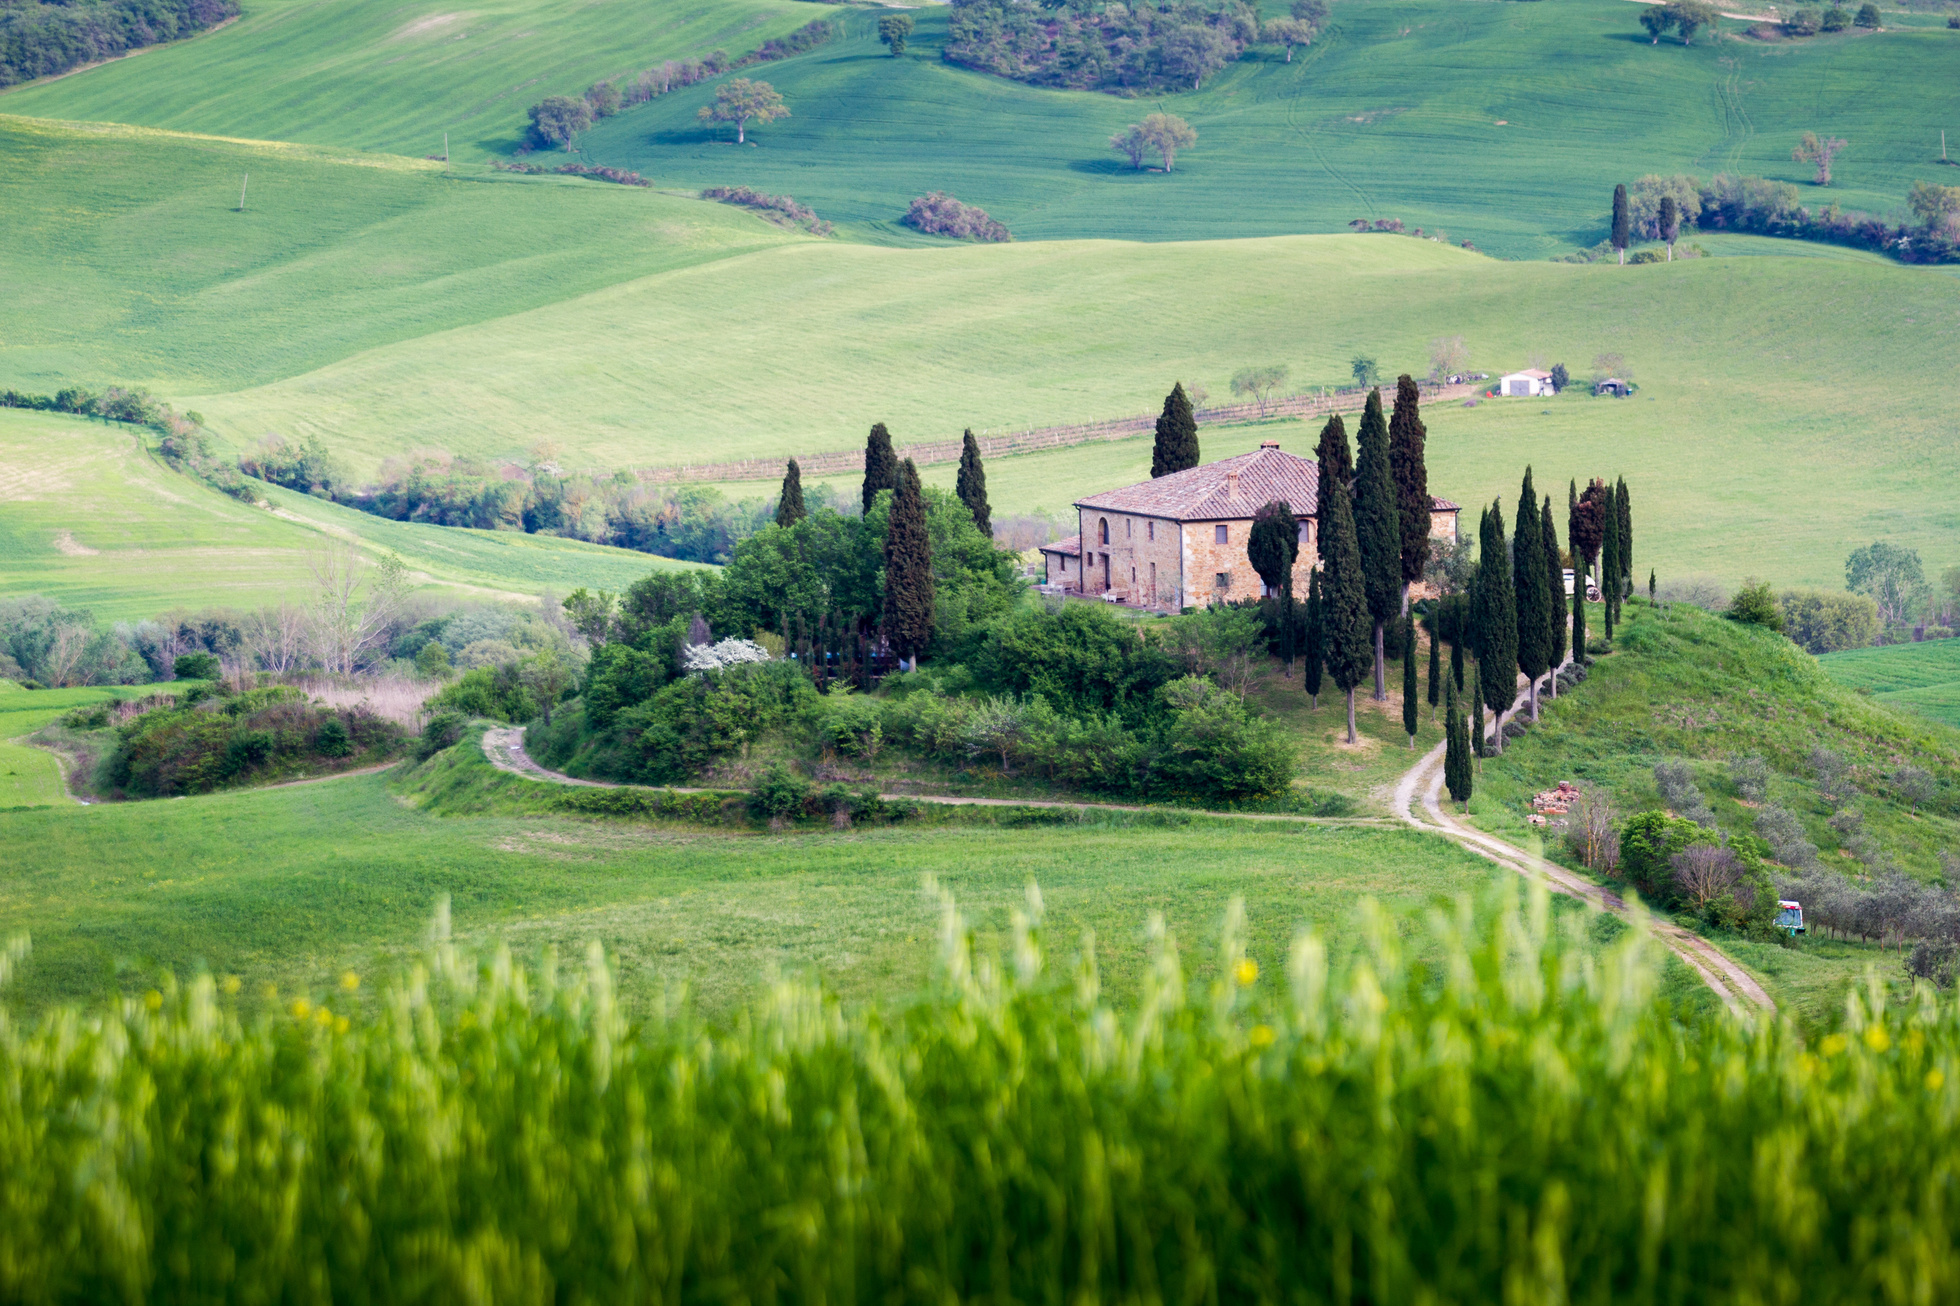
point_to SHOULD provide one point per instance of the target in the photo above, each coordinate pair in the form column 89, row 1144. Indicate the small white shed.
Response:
column 1531, row 381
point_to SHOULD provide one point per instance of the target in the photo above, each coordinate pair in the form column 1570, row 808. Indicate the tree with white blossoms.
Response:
column 717, row 657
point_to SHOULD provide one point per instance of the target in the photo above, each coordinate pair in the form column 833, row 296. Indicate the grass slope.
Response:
column 30, row 776
column 245, row 883
column 1702, row 689
column 126, row 260
column 90, row 518
column 1920, row 678
column 1752, row 446
column 1505, row 124
column 379, row 75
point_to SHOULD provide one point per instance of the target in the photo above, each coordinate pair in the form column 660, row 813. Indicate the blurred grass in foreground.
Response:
column 1518, row 1120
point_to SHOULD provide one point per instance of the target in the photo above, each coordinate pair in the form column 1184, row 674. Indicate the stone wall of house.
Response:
column 1141, row 550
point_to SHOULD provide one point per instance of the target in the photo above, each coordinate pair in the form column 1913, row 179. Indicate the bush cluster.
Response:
column 618, row 175
column 1519, row 1117
column 939, row 214
column 1679, row 864
column 40, row 40
column 1134, row 49
column 791, row 213
column 215, row 739
column 1734, row 202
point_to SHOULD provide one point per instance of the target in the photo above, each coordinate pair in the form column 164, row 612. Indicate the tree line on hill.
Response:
column 42, row 40
column 1144, row 48
column 1660, row 208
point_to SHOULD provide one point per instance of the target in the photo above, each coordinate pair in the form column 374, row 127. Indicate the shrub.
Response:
column 1648, row 842
column 1835, row 19
column 1785, row 836
column 212, row 740
column 1754, row 605
column 197, row 666
column 1750, row 774
column 604, row 99
column 792, row 213
column 445, row 730
column 1645, row 256
column 1868, row 15
column 939, row 214
column 332, row 739
column 778, row 793
column 1678, row 790
column 1823, row 621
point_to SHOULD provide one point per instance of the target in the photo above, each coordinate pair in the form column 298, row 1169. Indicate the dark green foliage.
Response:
column 1176, row 448
column 1648, row 842
column 1868, row 15
column 1554, row 586
column 1609, row 564
column 1585, row 527
column 1084, row 660
column 43, row 40
column 789, row 503
column 1623, row 510
column 1135, row 50
column 1456, row 665
column 880, row 465
column 1435, row 672
column 1476, row 717
column 498, row 693
column 197, row 666
column 621, row 676
column 972, row 485
column 1272, row 546
column 894, row 30
column 1346, row 647
column 1411, row 698
column 224, row 740
column 1528, row 588
column 558, row 119
column 1496, row 615
column 1622, row 222
column 1334, row 464
column 779, row 793
column 699, row 720
column 1579, row 615
column 1316, row 640
column 1755, row 604
column 1457, row 778
column 1377, row 529
column 1407, row 437
column 443, row 731
column 908, row 606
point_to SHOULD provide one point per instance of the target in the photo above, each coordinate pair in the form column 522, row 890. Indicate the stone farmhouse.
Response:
column 1180, row 540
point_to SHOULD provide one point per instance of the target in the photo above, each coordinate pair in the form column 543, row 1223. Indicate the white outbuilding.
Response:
column 1531, row 381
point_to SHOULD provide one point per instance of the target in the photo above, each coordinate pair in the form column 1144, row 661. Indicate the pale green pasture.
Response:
column 29, row 776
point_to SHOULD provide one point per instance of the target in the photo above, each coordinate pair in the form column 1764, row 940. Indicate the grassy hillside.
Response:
column 246, row 883
column 378, row 75
column 1919, row 678
column 127, row 260
column 90, row 518
column 1754, row 447
column 1505, row 124
column 30, row 776
column 1702, row 689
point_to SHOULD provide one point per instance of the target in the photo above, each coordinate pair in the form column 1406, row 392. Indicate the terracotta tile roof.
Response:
column 1072, row 546
column 1438, row 503
column 1210, row 493
column 1538, row 372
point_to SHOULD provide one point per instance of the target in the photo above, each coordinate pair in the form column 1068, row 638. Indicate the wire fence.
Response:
column 851, row 461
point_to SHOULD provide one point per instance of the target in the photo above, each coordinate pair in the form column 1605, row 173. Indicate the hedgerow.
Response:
column 1514, row 1118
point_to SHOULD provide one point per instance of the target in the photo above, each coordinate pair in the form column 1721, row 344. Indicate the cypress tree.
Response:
column 1477, row 714
column 1411, row 696
column 1335, row 467
column 1622, row 223
column 1177, row 435
column 1314, row 644
column 880, row 465
column 908, row 568
column 1496, row 618
column 1406, row 439
column 1623, row 508
column 1435, row 671
column 1344, row 617
column 1609, row 565
column 972, row 485
column 1378, row 529
column 1452, row 747
column 1578, row 615
column 1465, row 773
column 1528, row 585
column 1554, row 593
column 789, row 505
column 1272, row 545
column 1456, row 664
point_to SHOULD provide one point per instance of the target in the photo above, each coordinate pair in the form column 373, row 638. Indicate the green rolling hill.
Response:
column 1921, row 678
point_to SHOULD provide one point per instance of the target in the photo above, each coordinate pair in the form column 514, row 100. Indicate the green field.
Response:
column 379, row 75
column 1921, row 678
column 90, row 518
column 1505, row 124
column 30, row 776
column 291, row 886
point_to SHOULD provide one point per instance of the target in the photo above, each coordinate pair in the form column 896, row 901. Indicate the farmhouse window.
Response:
column 1127, row 528
column 1220, row 535
column 1306, row 535
column 1102, row 526
column 1224, row 577
column 1151, row 528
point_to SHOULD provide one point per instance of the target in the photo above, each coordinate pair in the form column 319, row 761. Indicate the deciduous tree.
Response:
column 972, row 484
column 789, row 504
column 1287, row 32
column 1407, row 458
column 1133, row 144
column 894, row 30
column 1819, row 151
column 1259, row 383
column 908, row 606
column 742, row 102
column 1585, row 525
column 880, row 465
column 1176, row 449
column 1168, row 133
column 1890, row 576
column 556, row 119
column 1377, row 529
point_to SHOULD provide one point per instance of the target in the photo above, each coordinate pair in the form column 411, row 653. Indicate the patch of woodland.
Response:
column 42, row 40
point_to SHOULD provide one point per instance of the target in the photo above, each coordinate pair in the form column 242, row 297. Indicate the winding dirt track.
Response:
column 504, row 749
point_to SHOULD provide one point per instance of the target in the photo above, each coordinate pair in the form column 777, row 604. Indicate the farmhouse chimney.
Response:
column 1269, row 444
column 1231, row 485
